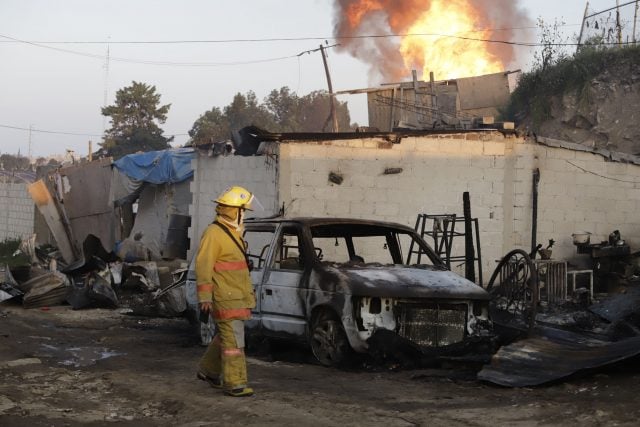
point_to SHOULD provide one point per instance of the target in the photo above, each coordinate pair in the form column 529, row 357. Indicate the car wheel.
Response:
column 329, row 341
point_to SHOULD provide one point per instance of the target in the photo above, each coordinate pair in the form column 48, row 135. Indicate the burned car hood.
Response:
column 395, row 281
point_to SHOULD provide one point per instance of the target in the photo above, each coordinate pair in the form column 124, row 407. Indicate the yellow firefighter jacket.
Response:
column 222, row 274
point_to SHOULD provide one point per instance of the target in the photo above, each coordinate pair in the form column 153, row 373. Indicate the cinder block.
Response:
column 337, row 208
column 361, row 210
column 493, row 148
column 427, row 145
column 450, row 146
column 315, row 179
column 472, row 148
column 360, row 181
column 385, row 208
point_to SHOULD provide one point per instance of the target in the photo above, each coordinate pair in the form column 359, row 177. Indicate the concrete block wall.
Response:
column 16, row 211
column 212, row 175
column 577, row 190
column 436, row 170
column 581, row 191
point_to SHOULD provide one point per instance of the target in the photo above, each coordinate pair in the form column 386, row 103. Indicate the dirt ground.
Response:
column 61, row 367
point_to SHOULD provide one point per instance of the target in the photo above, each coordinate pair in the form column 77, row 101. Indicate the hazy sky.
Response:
column 61, row 88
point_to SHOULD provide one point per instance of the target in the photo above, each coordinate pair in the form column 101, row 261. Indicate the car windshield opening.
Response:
column 359, row 244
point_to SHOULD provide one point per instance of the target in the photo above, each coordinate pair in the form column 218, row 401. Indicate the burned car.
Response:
column 348, row 285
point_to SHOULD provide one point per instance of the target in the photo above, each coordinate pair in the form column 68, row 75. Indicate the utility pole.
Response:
column 635, row 19
column 334, row 117
column 618, row 25
column 29, row 152
column 584, row 18
column 106, row 87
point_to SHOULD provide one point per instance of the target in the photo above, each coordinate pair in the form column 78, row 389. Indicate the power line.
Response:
column 258, row 61
column 260, row 40
column 610, row 9
column 167, row 63
column 31, row 129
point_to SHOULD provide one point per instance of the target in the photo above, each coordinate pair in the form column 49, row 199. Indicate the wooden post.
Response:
column 584, row 18
column 90, row 156
column 635, row 19
column 618, row 25
column 469, row 250
column 393, row 110
column 414, row 74
column 332, row 99
column 434, row 97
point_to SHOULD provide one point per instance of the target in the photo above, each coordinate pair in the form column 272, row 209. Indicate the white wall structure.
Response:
column 16, row 211
column 577, row 191
column 212, row 175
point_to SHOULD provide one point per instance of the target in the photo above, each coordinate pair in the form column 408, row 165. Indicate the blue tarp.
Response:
column 158, row 167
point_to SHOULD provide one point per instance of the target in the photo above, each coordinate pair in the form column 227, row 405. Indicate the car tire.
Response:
column 329, row 342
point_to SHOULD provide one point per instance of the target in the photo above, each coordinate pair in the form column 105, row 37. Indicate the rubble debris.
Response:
column 8, row 286
column 542, row 359
column 28, row 247
column 132, row 249
column 622, row 310
column 45, row 290
column 94, row 291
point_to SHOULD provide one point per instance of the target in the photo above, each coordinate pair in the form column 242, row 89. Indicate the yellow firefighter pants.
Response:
column 224, row 357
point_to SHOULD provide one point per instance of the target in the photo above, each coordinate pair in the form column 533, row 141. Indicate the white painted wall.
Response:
column 212, row 175
column 16, row 211
column 578, row 191
column 497, row 171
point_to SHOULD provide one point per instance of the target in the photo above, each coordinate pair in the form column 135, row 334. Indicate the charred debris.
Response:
column 108, row 235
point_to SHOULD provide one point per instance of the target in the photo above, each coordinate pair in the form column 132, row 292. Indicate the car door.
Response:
column 282, row 299
column 259, row 238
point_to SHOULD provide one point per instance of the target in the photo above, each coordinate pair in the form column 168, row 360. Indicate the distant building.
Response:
column 451, row 104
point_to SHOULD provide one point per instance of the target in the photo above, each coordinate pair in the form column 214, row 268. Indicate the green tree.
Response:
column 135, row 116
column 281, row 111
column 212, row 126
column 245, row 110
column 10, row 162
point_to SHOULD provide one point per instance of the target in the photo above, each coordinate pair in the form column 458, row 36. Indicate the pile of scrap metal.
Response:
column 549, row 339
column 151, row 288
column 136, row 208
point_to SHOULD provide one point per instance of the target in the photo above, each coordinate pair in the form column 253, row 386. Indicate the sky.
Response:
column 58, row 88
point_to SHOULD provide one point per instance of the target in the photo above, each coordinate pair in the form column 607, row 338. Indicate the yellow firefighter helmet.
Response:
column 236, row 197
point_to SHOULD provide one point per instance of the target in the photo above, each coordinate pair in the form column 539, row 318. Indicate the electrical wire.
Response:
column 260, row 40
column 164, row 63
column 599, row 175
column 258, row 61
column 69, row 133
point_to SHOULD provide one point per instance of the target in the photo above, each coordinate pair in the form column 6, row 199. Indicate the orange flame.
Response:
column 449, row 57
column 432, row 23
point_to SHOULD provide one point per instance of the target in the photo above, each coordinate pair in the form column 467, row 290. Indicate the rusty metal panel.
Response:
column 488, row 91
column 47, row 207
column 85, row 191
column 542, row 359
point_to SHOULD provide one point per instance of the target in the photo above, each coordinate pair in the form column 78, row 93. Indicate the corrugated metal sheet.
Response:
column 86, row 201
column 538, row 360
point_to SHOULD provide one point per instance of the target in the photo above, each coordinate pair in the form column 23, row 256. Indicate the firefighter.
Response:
column 225, row 291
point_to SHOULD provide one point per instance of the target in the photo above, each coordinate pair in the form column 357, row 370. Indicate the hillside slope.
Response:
column 591, row 98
